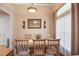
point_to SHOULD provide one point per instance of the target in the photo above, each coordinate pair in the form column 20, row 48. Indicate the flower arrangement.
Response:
column 38, row 36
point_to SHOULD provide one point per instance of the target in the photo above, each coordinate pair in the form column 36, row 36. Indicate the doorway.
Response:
column 6, row 28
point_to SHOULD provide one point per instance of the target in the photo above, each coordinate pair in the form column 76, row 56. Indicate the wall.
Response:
column 45, row 13
column 8, row 6
column 10, row 9
column 42, row 13
column 3, row 13
column 56, row 6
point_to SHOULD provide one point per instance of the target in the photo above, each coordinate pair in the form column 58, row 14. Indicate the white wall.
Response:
column 4, row 29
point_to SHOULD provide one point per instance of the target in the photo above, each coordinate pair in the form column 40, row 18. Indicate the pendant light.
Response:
column 32, row 9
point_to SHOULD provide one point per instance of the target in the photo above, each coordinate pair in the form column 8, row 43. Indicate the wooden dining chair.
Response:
column 22, row 47
column 52, row 47
column 39, row 47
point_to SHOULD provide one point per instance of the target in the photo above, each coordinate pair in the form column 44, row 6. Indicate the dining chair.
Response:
column 52, row 47
column 39, row 47
column 21, row 48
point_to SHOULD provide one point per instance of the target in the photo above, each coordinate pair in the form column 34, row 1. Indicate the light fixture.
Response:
column 32, row 9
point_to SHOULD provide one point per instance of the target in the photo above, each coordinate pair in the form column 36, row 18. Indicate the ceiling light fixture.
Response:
column 32, row 9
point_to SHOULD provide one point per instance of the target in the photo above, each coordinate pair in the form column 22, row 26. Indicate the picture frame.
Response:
column 34, row 23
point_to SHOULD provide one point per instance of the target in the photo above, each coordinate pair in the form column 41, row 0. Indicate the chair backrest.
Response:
column 39, row 45
column 39, row 42
column 21, row 45
column 53, row 42
column 28, row 36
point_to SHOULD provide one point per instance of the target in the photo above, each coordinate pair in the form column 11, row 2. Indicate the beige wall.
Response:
column 43, row 13
column 56, row 6
column 3, row 13
column 11, row 8
column 20, row 13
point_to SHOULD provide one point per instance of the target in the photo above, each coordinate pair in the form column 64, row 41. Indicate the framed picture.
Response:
column 34, row 23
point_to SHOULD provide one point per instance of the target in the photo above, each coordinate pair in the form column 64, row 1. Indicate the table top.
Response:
column 5, row 51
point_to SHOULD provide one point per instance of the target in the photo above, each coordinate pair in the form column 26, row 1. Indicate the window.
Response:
column 63, row 27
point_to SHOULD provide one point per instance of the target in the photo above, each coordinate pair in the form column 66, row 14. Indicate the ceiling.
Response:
column 36, row 4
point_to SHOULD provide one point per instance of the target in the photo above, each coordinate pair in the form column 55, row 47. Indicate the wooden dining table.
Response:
column 6, row 51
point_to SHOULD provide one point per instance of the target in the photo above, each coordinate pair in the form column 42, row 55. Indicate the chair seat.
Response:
column 38, row 52
column 51, row 51
column 22, row 53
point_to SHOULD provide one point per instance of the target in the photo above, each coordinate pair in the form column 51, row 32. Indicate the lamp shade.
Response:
column 31, row 10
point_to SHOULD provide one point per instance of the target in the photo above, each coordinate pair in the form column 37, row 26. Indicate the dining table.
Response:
column 4, row 51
